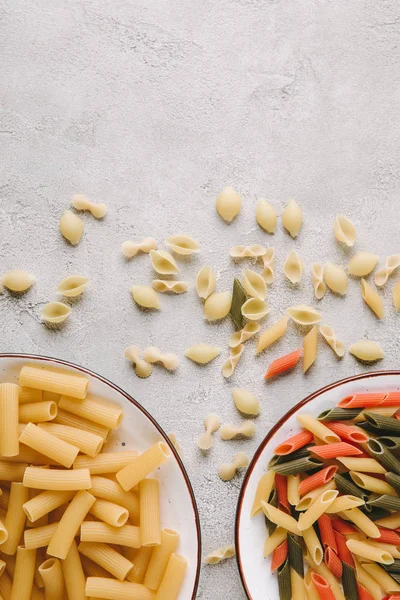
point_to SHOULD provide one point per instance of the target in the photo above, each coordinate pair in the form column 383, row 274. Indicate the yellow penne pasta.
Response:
column 293, row 482
column 393, row 550
column 297, row 586
column 317, row 508
column 112, row 491
column 127, row 535
column 109, row 512
column 144, row 464
column 272, row 334
column 309, row 498
column 15, row 517
column 391, row 522
column 107, row 557
column 54, row 381
column 24, row 574
column 274, row 540
column 318, row 429
column 263, row 492
column 173, row 578
column 160, row 557
column 372, row 484
column 310, row 348
column 107, row 462
column 66, row 418
column 45, row 502
column 53, row 479
column 362, row 465
column 313, row 545
column 49, row 445
column 94, row 409
column 69, row 524
column 150, row 523
column 365, row 550
column 111, row 589
column 87, row 442
column 362, row 521
column 366, row 580
column 280, row 518
column 74, row 577
column 387, row 583
column 9, row 407
column 344, row 503
column 37, row 412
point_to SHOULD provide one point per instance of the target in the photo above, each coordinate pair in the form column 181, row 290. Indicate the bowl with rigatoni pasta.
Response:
column 94, row 499
column 318, row 515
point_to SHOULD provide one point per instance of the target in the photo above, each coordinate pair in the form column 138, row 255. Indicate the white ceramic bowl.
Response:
column 250, row 533
column 139, row 430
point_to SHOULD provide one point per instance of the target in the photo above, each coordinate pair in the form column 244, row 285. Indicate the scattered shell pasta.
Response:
column 362, row 264
column 72, row 286
column 18, row 281
column 154, row 355
column 335, row 278
column 317, row 274
column 396, row 296
column 217, row 306
column 55, row 312
column 166, row 286
column 228, row 204
column 367, row 351
column 130, row 249
column 205, row 282
column 254, row 309
column 292, row 218
column 266, row 216
column 229, row 432
column 145, row 296
column 245, row 401
column 293, row 267
column 254, row 284
column 253, row 251
column 372, row 298
column 142, row 368
column 71, row 227
column 248, row 331
column 227, row 471
column 212, row 424
column 268, row 263
column 163, row 262
column 304, row 315
column 202, row 353
column 81, row 202
column 231, row 363
column 182, row 244
column 329, row 336
column 344, row 230
column 392, row 263
column 220, row 554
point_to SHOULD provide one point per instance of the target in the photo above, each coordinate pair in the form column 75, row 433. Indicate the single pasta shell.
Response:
column 293, row 267
column 72, row 286
column 18, row 281
column 205, row 282
column 228, row 204
column 163, row 262
column 254, row 284
column 202, row 353
column 304, row 315
column 292, row 218
column 266, row 216
column 367, row 351
column 335, row 278
column 254, row 309
column 175, row 287
column 329, row 336
column 220, row 554
column 145, row 296
column 217, row 306
column 245, row 401
column 344, row 230
column 182, row 244
column 317, row 274
column 55, row 312
column 71, row 227
column 248, row 331
column 362, row 264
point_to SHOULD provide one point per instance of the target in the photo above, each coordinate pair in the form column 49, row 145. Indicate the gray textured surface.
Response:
column 152, row 107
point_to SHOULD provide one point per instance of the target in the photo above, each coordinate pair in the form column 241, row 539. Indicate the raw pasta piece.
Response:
column 145, row 296
column 18, row 281
column 253, row 251
column 212, row 423
column 142, row 367
column 344, row 230
column 182, row 244
column 335, row 278
column 396, row 296
column 292, row 218
column 268, row 262
column 231, row 363
column 228, row 204
column 282, row 364
column 254, row 284
column 254, row 309
column 329, row 336
column 72, row 286
column 266, row 216
column 165, row 286
column 310, row 348
column 71, row 227
column 202, row 353
column 392, row 263
column 55, row 312
column 227, row 471
column 220, row 554
column 304, row 315
column 154, row 355
column 248, row 331
column 362, row 264
column 238, row 299
column 367, row 351
column 293, row 267
column 247, row 430
column 295, row 442
column 245, row 401
column 272, row 334
column 205, row 282
column 130, row 249
column 163, row 262
column 217, row 306
column 317, row 274
column 372, row 298
column 81, row 202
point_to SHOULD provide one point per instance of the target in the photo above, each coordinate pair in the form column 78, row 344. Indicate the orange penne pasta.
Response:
column 294, row 443
column 322, row 586
column 326, row 532
column 363, row 593
column 282, row 364
column 333, row 563
column 317, row 479
column 388, row 536
column 281, row 491
column 342, row 550
column 334, row 450
column 351, row 433
column 362, row 400
column 279, row 555
column 342, row 526
column 391, row 399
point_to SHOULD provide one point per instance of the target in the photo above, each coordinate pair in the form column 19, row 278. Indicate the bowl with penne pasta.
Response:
column 94, row 499
column 318, row 515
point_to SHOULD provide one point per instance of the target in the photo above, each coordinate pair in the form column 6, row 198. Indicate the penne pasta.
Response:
column 283, row 364
column 272, row 334
column 263, row 492
column 280, row 518
column 317, row 429
column 363, row 522
column 365, row 550
column 317, row 508
column 310, row 348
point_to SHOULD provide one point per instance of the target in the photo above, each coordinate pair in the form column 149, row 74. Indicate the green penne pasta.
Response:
column 295, row 555
column 339, row 414
column 394, row 567
column 384, row 456
column 385, row 501
column 394, row 480
column 273, row 500
column 395, row 576
column 276, row 459
column 346, row 487
column 386, row 424
column 374, row 512
column 349, row 582
column 369, row 428
column 390, row 441
column 301, row 465
column 285, row 588
column 238, row 299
